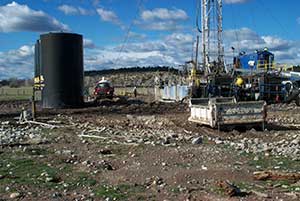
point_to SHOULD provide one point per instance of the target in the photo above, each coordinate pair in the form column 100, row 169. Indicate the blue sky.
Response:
column 161, row 31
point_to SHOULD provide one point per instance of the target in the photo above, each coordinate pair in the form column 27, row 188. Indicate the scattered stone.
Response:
column 166, row 140
column 15, row 195
column 105, row 151
column 295, row 142
column 56, row 195
column 260, row 194
column 219, row 141
column 105, row 165
column 154, row 181
column 49, row 179
column 293, row 195
column 197, row 140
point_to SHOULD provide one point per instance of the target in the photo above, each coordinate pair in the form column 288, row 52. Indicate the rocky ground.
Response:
column 136, row 150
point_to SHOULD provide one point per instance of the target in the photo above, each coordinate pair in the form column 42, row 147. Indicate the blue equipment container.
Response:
column 260, row 60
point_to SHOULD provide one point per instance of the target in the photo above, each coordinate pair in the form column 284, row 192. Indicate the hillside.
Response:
column 137, row 76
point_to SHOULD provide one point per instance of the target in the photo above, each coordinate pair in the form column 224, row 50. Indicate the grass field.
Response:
column 21, row 93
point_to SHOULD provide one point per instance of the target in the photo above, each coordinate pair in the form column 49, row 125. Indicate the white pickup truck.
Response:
column 217, row 112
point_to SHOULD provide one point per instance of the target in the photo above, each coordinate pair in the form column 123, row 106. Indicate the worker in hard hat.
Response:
column 239, row 83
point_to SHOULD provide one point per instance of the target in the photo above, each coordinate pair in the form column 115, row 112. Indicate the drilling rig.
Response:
column 209, row 78
column 212, row 43
column 212, row 102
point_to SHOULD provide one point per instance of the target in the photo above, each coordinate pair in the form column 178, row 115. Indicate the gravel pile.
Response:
column 16, row 134
column 289, row 147
column 151, row 130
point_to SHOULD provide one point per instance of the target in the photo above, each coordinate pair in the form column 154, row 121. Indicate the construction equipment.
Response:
column 259, row 61
column 210, row 82
column 263, row 80
column 217, row 112
column 103, row 89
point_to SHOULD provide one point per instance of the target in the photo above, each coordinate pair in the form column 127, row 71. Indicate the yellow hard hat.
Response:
column 239, row 81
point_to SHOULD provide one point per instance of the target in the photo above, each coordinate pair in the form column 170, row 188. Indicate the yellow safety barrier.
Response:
column 264, row 65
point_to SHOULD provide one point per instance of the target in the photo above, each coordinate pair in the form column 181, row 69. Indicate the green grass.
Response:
column 21, row 93
column 36, row 151
column 120, row 192
column 25, row 171
column 110, row 192
column 268, row 163
column 82, row 179
column 19, row 169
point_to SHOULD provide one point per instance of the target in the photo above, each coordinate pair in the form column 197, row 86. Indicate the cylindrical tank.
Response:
column 62, row 68
column 37, row 59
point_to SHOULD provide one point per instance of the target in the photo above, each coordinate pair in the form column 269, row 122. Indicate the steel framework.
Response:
column 212, row 41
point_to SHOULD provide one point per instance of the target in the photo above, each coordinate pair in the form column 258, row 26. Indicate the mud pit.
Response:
column 138, row 150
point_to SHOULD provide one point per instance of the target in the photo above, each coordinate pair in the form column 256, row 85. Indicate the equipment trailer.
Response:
column 218, row 112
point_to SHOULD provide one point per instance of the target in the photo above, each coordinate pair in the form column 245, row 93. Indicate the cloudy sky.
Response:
column 124, row 33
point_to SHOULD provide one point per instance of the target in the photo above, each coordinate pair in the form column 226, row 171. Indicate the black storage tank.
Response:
column 37, row 59
column 62, row 68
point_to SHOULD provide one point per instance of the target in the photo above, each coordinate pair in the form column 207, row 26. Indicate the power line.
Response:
column 139, row 5
column 274, row 18
column 235, row 27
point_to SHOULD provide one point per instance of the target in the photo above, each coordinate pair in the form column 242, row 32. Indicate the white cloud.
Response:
column 247, row 40
column 17, row 63
column 133, row 36
column 68, row 10
column 170, row 50
column 71, row 10
column 178, row 39
column 235, row 1
column 108, row 16
column 161, row 25
column 164, row 14
column 241, row 34
column 112, row 59
column 88, row 43
column 162, row 19
column 277, row 44
column 15, row 17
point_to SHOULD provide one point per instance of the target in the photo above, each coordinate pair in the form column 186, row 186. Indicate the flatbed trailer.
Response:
column 218, row 112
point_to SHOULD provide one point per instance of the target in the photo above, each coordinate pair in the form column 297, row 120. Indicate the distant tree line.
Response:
column 131, row 70
column 15, row 82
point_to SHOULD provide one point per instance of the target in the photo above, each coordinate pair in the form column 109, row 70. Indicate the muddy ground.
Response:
column 142, row 150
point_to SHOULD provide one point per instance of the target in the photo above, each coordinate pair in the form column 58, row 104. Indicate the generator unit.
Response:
column 260, row 60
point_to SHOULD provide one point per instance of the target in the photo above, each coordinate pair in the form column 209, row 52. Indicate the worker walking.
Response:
column 134, row 92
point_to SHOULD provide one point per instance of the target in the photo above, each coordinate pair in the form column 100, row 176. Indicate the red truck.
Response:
column 103, row 89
